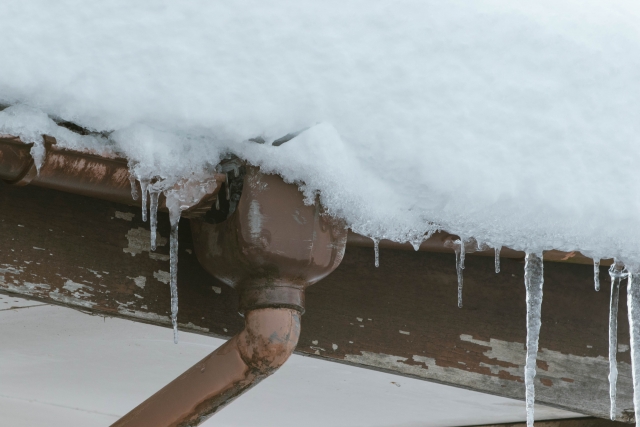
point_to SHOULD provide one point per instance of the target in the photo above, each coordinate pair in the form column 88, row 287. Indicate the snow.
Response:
column 513, row 124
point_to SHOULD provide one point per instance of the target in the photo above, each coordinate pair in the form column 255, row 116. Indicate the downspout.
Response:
column 271, row 248
column 268, row 339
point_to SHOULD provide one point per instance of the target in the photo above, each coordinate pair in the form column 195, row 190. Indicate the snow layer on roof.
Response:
column 513, row 122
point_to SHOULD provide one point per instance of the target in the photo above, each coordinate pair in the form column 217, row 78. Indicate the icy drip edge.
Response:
column 460, row 255
column 616, row 274
column 134, row 187
column 144, row 186
column 633, row 308
column 596, row 274
column 153, row 215
column 376, row 250
column 173, row 270
column 533, row 280
column 497, row 260
column 38, row 153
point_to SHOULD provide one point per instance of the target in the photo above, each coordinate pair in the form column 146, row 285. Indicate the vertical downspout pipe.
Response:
column 271, row 248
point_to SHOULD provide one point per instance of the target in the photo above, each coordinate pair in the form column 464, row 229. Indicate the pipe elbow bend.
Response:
column 270, row 336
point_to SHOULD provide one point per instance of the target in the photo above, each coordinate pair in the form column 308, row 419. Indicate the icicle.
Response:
column 180, row 197
column 533, row 280
column 38, row 153
column 596, row 274
column 460, row 255
column 153, row 215
column 227, row 186
column 134, row 187
column 173, row 270
column 497, row 260
column 616, row 272
column 633, row 310
column 376, row 250
column 144, row 186
column 416, row 244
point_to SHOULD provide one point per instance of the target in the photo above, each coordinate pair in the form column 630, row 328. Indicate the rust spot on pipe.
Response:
column 269, row 338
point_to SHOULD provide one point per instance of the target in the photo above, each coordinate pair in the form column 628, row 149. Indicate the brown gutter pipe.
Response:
column 76, row 172
column 269, row 338
column 270, row 249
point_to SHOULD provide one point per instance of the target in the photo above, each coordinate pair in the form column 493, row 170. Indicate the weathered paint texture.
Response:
column 401, row 317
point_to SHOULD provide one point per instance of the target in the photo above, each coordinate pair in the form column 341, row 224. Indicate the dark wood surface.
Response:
column 402, row 317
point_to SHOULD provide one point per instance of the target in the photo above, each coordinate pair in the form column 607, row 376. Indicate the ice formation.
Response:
column 617, row 272
column 596, row 274
column 460, row 256
column 376, row 252
column 484, row 119
column 633, row 312
column 533, row 280
column 497, row 260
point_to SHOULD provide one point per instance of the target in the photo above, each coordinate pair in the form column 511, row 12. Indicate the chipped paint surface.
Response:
column 139, row 281
column 152, row 317
column 140, row 241
column 560, row 377
column 217, row 289
column 193, row 327
column 162, row 276
column 70, row 300
column 127, row 216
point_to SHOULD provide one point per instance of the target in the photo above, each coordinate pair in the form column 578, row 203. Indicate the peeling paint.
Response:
column 71, row 300
column 127, row 216
column 140, row 241
column 151, row 317
column 140, row 281
column 158, row 257
column 72, row 286
column 9, row 269
column 216, row 289
column 162, row 276
column 98, row 275
column 193, row 327
column 404, row 332
column 567, row 377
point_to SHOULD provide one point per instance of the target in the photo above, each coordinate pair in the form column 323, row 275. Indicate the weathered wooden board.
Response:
column 401, row 317
column 576, row 422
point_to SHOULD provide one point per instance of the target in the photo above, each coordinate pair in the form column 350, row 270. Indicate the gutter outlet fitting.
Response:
column 271, row 248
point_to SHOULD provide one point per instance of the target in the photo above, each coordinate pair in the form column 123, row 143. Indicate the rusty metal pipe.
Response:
column 271, row 248
column 268, row 339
